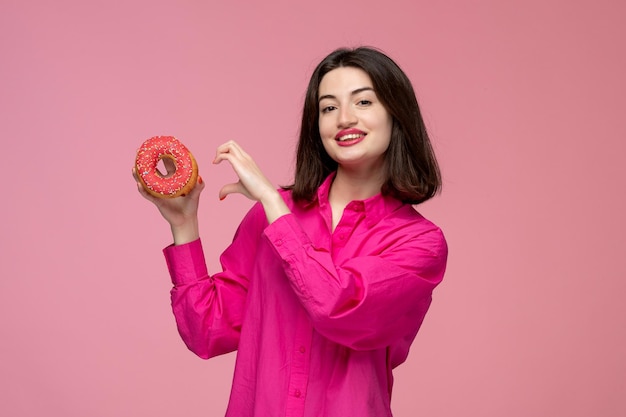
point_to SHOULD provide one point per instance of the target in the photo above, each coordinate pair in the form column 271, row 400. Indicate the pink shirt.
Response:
column 319, row 319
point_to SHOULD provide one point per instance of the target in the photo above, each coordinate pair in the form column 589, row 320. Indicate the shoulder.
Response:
column 295, row 207
column 287, row 196
column 417, row 230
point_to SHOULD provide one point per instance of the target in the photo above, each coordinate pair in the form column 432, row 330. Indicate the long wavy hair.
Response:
column 411, row 171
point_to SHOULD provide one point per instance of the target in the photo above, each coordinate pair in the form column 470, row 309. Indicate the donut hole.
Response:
column 166, row 166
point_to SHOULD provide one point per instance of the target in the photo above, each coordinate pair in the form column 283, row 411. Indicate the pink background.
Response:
column 525, row 101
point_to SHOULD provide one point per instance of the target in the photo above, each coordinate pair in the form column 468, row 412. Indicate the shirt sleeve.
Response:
column 368, row 302
column 209, row 309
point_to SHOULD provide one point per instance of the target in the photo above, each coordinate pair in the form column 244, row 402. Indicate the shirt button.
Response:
column 341, row 236
column 297, row 393
column 302, row 349
column 279, row 242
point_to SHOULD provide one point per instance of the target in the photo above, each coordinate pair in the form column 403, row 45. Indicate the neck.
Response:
column 350, row 185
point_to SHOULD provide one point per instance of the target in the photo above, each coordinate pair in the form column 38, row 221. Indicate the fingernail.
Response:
column 222, row 198
column 199, row 179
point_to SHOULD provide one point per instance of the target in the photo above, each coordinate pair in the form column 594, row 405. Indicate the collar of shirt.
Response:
column 375, row 207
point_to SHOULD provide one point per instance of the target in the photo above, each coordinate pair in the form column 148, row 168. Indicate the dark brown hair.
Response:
column 411, row 170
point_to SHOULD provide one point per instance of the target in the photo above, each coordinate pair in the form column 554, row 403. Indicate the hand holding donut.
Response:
column 181, row 181
column 175, row 210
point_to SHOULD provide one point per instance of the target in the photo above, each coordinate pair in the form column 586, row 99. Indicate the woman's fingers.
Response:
column 224, row 149
column 195, row 191
column 252, row 182
column 231, row 151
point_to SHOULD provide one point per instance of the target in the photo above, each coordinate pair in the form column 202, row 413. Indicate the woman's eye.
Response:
column 364, row 102
column 328, row 109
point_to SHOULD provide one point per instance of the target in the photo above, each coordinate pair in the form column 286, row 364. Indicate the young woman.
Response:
column 327, row 281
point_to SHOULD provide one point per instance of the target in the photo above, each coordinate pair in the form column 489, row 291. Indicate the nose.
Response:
column 347, row 117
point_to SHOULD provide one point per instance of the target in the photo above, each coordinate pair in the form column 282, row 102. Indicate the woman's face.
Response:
column 354, row 125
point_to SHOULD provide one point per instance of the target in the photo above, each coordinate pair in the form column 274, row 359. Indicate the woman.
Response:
column 327, row 281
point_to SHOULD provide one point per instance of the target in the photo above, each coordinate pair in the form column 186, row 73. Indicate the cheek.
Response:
column 324, row 134
column 324, row 127
column 327, row 132
column 385, row 129
column 382, row 124
column 388, row 126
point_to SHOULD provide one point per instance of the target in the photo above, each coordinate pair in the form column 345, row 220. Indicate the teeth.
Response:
column 350, row 136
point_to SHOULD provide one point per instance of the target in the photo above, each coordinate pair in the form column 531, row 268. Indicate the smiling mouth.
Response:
column 351, row 136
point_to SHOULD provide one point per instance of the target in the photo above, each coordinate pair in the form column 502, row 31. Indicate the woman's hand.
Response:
column 180, row 212
column 252, row 182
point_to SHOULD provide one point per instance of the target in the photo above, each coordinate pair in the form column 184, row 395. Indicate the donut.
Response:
column 173, row 184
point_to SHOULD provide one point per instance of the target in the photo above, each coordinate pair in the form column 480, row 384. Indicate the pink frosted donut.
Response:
column 175, row 184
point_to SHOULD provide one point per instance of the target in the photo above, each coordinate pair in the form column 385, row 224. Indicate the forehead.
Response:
column 343, row 80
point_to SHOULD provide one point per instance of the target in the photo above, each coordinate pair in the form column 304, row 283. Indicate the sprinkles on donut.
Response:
column 173, row 184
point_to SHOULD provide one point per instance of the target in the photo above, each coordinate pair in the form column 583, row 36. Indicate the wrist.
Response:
column 274, row 206
column 185, row 232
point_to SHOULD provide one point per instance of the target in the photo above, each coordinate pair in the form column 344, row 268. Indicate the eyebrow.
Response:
column 353, row 93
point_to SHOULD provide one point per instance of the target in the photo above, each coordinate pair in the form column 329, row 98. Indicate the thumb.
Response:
column 232, row 188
